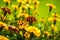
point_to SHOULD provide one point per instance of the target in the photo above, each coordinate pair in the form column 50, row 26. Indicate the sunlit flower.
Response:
column 19, row 0
column 51, row 5
column 3, row 38
column 34, row 30
column 42, row 20
column 27, row 35
column 46, row 33
column 30, row 6
column 21, row 3
column 37, row 33
column 23, row 9
column 15, row 7
column 6, row 10
column 21, row 27
column 7, row 2
column 27, row 1
column 31, row 19
column 54, row 18
column 55, row 15
column 50, row 19
column 13, row 29
column 21, row 33
column 2, row 25
column 36, row 4
column 24, row 26
column 20, row 22
column 25, row 15
column 53, row 28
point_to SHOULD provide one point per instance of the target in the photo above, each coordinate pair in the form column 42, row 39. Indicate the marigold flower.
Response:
column 27, row 1
column 27, row 35
column 23, row 9
column 15, row 7
column 7, row 1
column 42, row 20
column 25, row 15
column 6, row 10
column 34, row 30
column 55, row 15
column 19, row 0
column 22, row 24
column 13, row 29
column 31, row 19
column 53, row 28
column 46, row 33
column 51, row 5
column 37, row 33
column 2, row 25
column 21, row 33
column 30, row 6
column 36, row 2
column 3, row 38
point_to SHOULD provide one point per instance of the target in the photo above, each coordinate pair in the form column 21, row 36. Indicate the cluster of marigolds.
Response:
column 23, row 27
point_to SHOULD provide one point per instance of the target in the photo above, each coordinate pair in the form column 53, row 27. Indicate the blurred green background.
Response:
column 43, row 10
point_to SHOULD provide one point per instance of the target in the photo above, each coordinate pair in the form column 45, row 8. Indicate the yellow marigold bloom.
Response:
column 42, row 20
column 30, row 29
column 3, row 38
column 54, row 28
column 3, row 25
column 25, row 15
column 19, row 0
column 55, row 15
column 15, row 7
column 51, row 5
column 37, row 33
column 21, row 33
column 36, row 2
column 24, row 6
column 21, row 27
column 30, row 6
column 22, row 2
column 27, row 1
column 7, row 1
column 46, row 33
column 50, row 19
column 34, row 30
column 27, row 35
